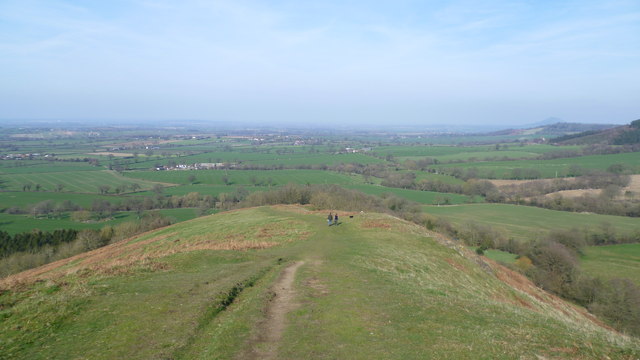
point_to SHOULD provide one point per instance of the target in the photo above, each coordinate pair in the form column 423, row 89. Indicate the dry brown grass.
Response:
column 634, row 184
column 133, row 254
column 543, row 300
column 528, row 294
column 575, row 193
column 98, row 260
column 500, row 183
column 456, row 265
column 375, row 224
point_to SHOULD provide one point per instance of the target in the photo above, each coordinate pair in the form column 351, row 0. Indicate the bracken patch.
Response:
column 373, row 224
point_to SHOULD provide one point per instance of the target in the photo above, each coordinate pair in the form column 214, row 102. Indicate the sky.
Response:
column 321, row 62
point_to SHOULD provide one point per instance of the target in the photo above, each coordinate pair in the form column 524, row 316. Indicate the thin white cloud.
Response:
column 248, row 58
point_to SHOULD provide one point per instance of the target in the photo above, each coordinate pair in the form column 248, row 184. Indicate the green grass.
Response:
column 260, row 158
column 243, row 177
column 447, row 153
column 73, row 181
column 25, row 223
column 482, row 155
column 549, row 168
column 612, row 261
column 526, row 222
column 204, row 189
column 500, row 256
column 36, row 167
column 373, row 287
column 24, row 199
column 423, row 197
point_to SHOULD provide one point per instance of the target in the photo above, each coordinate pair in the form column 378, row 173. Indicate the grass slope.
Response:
column 373, row 287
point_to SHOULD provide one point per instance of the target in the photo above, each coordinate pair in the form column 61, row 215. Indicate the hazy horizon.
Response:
column 457, row 63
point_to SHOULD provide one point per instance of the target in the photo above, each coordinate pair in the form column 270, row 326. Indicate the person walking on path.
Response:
column 329, row 219
column 335, row 219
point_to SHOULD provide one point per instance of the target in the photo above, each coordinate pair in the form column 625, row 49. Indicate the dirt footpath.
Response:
column 265, row 346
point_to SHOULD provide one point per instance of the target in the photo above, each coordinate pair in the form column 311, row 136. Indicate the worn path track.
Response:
column 266, row 345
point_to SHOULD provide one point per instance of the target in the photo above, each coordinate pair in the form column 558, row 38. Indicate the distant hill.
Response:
column 548, row 121
column 555, row 129
column 278, row 283
column 619, row 135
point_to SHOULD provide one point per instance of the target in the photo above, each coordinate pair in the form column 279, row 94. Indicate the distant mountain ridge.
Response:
column 548, row 121
column 555, row 129
column 619, row 135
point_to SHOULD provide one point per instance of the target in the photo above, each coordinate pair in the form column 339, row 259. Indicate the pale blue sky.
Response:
column 378, row 62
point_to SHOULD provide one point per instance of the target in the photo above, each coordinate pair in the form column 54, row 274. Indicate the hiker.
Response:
column 329, row 219
column 335, row 219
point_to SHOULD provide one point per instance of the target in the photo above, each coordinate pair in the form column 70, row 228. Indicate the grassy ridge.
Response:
column 372, row 287
column 113, row 314
column 526, row 222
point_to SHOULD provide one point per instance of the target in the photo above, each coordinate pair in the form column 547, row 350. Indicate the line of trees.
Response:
column 594, row 180
column 336, row 197
column 33, row 240
column 609, row 201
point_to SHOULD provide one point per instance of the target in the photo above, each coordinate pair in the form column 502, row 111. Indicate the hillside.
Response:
column 277, row 282
column 555, row 129
column 619, row 135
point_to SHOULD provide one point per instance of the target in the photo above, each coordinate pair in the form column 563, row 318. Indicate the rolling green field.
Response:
column 525, row 222
column 373, row 287
column 23, row 199
column 204, row 189
column 549, row 168
column 244, row 177
column 448, row 153
column 423, row 197
column 37, row 167
column 613, row 261
column 73, row 181
column 258, row 158
column 24, row 223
